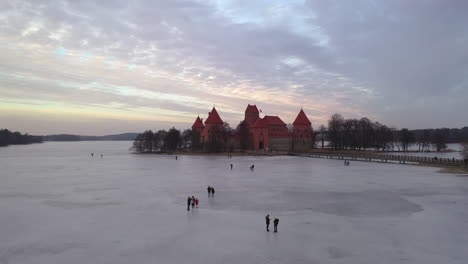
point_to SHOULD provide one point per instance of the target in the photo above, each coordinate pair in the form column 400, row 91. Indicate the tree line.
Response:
column 161, row 140
column 8, row 137
column 341, row 133
column 362, row 134
column 173, row 139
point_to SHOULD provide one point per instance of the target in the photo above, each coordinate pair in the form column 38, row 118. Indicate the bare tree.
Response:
column 243, row 132
column 158, row 139
column 138, row 143
column 335, row 129
column 321, row 135
column 148, row 141
column 439, row 139
column 406, row 138
column 186, row 137
column 172, row 139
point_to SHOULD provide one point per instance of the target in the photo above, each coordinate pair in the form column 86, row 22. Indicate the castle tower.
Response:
column 212, row 132
column 251, row 114
column 260, row 134
column 302, row 133
column 198, row 125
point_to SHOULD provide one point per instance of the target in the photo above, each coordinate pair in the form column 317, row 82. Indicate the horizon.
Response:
column 77, row 68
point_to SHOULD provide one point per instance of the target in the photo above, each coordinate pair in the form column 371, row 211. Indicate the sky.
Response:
column 108, row 67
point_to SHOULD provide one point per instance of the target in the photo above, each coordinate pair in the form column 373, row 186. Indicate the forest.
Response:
column 8, row 137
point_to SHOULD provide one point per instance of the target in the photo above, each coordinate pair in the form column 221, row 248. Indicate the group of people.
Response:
column 346, row 162
column 229, row 156
column 251, row 167
column 275, row 223
column 211, row 191
column 192, row 201
column 92, row 155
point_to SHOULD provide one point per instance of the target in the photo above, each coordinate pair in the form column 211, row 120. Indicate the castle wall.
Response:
column 280, row 144
column 302, row 144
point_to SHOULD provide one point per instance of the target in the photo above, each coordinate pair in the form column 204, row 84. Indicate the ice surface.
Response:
column 60, row 205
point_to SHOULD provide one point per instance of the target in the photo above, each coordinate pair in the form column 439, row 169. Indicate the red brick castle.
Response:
column 267, row 133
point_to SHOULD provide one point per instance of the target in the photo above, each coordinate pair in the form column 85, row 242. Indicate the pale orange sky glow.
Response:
column 76, row 67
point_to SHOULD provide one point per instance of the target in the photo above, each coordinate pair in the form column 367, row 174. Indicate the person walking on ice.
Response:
column 231, row 166
column 189, row 201
column 267, row 221
column 212, row 192
column 275, row 224
column 209, row 190
column 196, row 202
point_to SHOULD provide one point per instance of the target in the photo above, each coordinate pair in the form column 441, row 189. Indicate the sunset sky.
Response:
column 108, row 67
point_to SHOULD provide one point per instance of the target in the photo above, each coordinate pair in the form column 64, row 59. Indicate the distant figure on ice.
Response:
column 346, row 162
column 212, row 192
column 175, row 157
column 209, row 190
column 196, row 202
column 267, row 221
column 92, row 154
column 231, row 166
column 193, row 202
column 101, row 155
column 275, row 224
column 252, row 167
column 189, row 201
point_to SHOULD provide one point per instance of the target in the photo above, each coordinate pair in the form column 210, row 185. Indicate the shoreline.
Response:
column 237, row 154
column 460, row 171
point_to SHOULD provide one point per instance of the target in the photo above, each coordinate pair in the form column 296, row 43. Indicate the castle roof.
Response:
column 198, row 123
column 274, row 120
column 260, row 123
column 302, row 119
column 251, row 108
column 213, row 118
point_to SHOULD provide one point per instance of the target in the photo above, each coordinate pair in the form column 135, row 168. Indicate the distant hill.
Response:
column 68, row 137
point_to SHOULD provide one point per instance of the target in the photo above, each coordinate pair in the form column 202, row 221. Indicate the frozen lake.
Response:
column 60, row 205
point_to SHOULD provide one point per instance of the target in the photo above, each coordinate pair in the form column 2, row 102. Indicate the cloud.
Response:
column 399, row 62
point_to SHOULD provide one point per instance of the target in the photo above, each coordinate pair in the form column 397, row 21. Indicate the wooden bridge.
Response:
column 384, row 158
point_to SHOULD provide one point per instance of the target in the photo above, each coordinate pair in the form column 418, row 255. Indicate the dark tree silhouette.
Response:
column 158, row 141
column 321, row 135
column 439, row 139
column 406, row 138
column 187, row 137
column 172, row 139
column 16, row 138
column 148, row 136
column 335, row 131
column 423, row 139
column 243, row 132
column 138, row 143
